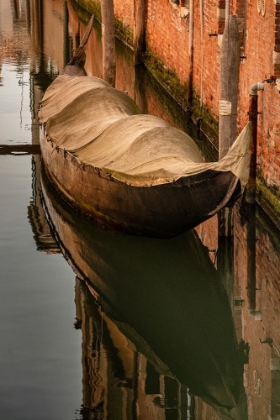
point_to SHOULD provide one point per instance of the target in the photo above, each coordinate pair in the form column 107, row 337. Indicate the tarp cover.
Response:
column 103, row 128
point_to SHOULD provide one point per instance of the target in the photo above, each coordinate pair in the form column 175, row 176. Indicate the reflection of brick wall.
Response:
column 275, row 377
column 261, row 326
column 53, row 33
column 15, row 41
column 208, row 234
column 204, row 411
column 256, row 320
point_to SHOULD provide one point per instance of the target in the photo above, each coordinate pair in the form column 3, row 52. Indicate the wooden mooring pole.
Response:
column 230, row 62
column 250, row 195
column 108, row 42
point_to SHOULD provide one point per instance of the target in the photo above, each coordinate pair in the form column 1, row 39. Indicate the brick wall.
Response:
column 124, row 11
column 258, row 65
column 167, row 36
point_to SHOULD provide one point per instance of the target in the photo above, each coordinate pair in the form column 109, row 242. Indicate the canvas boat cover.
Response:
column 102, row 127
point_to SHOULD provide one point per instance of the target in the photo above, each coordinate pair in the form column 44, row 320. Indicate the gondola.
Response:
column 131, row 172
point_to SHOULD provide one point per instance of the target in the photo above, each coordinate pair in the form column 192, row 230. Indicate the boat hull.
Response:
column 160, row 211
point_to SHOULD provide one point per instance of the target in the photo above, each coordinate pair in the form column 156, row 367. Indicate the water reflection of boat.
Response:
column 131, row 172
column 164, row 295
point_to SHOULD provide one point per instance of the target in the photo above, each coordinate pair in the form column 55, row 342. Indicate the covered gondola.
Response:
column 131, row 172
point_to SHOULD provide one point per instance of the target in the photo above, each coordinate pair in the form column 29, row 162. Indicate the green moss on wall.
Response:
column 123, row 32
column 165, row 98
column 168, row 78
column 206, row 120
column 86, row 8
column 269, row 199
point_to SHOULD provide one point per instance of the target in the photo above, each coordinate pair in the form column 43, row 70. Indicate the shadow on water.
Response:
column 165, row 296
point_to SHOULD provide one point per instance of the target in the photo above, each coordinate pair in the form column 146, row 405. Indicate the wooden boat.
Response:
column 165, row 296
column 132, row 172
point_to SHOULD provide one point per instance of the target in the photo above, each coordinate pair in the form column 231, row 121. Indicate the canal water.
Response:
column 97, row 325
